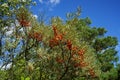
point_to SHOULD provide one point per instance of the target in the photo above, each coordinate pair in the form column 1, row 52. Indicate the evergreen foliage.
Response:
column 71, row 50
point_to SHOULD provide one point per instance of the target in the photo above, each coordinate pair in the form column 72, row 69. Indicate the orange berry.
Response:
column 59, row 60
column 24, row 23
column 55, row 30
column 81, row 52
column 76, row 65
column 91, row 72
column 82, row 64
column 69, row 44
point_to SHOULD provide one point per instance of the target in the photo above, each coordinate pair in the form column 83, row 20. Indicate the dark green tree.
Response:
column 104, row 46
column 69, row 50
column 118, row 70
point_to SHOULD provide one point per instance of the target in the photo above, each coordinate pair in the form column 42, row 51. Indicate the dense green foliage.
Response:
column 70, row 50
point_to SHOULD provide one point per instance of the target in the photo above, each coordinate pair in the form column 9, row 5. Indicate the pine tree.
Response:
column 58, row 51
column 104, row 45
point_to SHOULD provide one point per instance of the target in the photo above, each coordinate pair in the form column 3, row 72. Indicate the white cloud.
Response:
column 9, row 33
column 118, row 46
column 54, row 1
column 5, row 66
column 41, row 1
column 36, row 16
column 51, row 2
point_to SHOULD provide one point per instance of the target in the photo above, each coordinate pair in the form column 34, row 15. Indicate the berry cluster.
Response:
column 35, row 35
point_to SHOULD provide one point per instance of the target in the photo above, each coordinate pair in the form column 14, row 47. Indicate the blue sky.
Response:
column 103, row 13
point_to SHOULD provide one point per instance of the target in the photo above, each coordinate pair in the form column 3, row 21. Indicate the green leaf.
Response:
column 28, row 78
column 22, row 78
